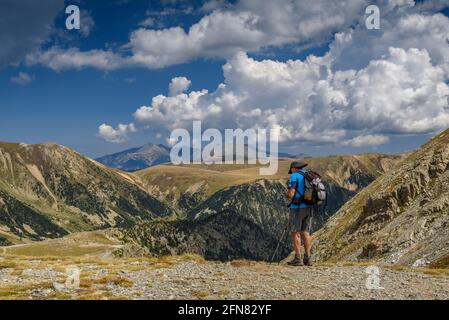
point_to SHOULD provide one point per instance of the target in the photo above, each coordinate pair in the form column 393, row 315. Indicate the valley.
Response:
column 225, row 212
column 200, row 232
column 49, row 191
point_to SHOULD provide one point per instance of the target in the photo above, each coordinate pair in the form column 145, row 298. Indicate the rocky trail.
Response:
column 190, row 277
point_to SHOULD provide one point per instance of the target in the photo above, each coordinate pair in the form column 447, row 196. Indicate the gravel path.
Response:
column 200, row 280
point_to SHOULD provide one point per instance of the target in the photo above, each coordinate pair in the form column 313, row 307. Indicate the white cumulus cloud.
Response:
column 371, row 84
column 403, row 93
column 258, row 26
column 115, row 135
column 245, row 26
column 179, row 85
column 355, row 48
column 226, row 29
column 59, row 59
column 365, row 141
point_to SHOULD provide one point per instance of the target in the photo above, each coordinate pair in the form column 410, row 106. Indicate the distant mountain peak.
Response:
column 137, row 158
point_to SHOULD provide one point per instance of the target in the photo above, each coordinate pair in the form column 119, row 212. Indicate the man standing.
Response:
column 300, row 219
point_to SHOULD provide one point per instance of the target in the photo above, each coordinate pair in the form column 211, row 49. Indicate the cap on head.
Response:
column 296, row 164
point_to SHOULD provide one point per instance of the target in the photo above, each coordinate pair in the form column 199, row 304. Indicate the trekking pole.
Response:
column 280, row 241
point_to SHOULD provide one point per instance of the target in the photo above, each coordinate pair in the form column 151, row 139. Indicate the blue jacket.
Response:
column 297, row 181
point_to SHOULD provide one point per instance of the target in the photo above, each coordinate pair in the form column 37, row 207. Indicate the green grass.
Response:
column 71, row 221
column 82, row 244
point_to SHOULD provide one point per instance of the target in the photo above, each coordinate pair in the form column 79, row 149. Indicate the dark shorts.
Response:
column 300, row 219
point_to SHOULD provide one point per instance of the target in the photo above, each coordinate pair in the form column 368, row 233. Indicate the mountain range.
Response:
column 388, row 208
column 49, row 191
column 150, row 155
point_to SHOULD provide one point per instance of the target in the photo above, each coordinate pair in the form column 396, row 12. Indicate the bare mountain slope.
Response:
column 401, row 218
column 48, row 191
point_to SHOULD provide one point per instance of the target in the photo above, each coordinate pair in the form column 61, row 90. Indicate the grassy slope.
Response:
column 89, row 244
column 178, row 179
column 72, row 222
column 73, row 192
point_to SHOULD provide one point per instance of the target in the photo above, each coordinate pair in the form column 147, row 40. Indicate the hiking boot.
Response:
column 295, row 262
column 308, row 261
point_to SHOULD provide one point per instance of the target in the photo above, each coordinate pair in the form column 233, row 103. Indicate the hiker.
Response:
column 300, row 218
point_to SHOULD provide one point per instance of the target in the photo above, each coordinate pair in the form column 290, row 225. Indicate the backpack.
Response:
column 314, row 189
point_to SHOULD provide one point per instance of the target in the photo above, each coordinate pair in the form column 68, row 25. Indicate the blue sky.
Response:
column 67, row 106
column 67, row 102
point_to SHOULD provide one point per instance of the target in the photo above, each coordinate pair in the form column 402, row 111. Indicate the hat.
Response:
column 296, row 164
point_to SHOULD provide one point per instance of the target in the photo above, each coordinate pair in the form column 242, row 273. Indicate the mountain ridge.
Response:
column 137, row 158
column 48, row 190
column 400, row 218
column 54, row 191
column 149, row 155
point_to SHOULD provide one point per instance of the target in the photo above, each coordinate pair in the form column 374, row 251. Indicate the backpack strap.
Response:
column 303, row 173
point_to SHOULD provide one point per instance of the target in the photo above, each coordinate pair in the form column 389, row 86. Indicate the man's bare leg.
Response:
column 296, row 237
column 307, row 239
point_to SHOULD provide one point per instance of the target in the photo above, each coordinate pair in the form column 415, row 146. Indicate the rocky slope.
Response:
column 48, row 191
column 38, row 270
column 190, row 277
column 137, row 158
column 401, row 218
